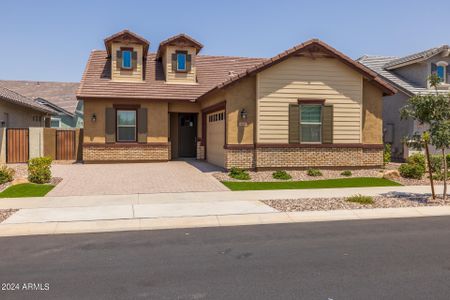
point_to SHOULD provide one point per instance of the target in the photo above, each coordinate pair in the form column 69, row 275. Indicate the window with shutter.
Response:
column 311, row 123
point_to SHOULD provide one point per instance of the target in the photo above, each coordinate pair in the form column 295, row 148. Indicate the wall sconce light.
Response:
column 244, row 114
column 93, row 118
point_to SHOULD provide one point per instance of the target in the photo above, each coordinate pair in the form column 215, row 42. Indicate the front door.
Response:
column 187, row 135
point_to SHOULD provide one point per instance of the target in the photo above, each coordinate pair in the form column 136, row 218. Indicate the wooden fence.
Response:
column 17, row 145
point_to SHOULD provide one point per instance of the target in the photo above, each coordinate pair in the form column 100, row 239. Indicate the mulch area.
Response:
column 6, row 213
column 388, row 201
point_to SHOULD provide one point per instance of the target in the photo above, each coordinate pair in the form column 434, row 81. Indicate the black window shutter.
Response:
column 142, row 125
column 188, row 62
column 294, row 123
column 134, row 60
column 119, row 59
column 327, row 124
column 174, row 62
column 110, row 125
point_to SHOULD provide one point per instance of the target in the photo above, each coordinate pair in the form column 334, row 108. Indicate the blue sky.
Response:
column 51, row 40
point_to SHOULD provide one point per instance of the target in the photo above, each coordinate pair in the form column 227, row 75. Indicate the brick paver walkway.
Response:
column 105, row 179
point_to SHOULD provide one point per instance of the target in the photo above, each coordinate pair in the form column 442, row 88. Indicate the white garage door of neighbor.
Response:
column 215, row 138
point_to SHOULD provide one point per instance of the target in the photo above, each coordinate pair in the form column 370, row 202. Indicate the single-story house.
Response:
column 310, row 106
column 59, row 97
column 18, row 111
column 409, row 75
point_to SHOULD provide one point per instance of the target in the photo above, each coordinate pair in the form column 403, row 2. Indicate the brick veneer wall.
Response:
column 240, row 158
column 292, row 157
column 115, row 152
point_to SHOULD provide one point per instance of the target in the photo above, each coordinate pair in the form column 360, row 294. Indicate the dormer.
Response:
column 127, row 52
column 178, row 56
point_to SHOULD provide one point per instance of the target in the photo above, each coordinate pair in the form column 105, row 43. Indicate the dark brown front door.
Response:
column 187, row 135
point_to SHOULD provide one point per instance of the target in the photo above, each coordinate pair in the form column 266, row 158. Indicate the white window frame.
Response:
column 131, row 59
column 55, row 119
column 309, row 123
column 126, row 126
column 185, row 61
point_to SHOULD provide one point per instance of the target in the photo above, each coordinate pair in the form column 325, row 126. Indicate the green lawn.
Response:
column 313, row 184
column 26, row 190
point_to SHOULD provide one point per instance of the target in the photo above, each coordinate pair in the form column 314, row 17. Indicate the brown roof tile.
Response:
column 62, row 94
column 16, row 98
column 211, row 70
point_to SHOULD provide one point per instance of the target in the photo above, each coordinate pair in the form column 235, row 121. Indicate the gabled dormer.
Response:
column 127, row 52
column 178, row 56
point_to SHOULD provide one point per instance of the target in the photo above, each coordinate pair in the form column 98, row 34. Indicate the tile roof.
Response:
column 211, row 71
column 401, row 61
column 62, row 94
column 16, row 98
column 126, row 33
column 378, row 64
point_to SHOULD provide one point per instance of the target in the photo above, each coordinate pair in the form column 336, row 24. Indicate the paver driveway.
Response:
column 104, row 179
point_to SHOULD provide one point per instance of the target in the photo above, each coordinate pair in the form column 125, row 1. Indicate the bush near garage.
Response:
column 39, row 170
column 6, row 174
column 281, row 174
column 239, row 174
column 414, row 171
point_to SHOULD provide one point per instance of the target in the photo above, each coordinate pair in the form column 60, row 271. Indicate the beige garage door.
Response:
column 215, row 138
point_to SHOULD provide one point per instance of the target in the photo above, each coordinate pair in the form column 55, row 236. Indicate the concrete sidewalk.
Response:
column 204, row 197
column 52, row 215
column 216, row 221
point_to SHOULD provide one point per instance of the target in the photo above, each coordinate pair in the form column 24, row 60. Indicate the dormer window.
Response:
column 181, row 61
column 127, row 59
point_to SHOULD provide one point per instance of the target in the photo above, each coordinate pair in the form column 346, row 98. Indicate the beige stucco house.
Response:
column 310, row 106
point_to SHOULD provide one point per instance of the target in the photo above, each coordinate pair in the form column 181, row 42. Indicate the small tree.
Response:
column 432, row 110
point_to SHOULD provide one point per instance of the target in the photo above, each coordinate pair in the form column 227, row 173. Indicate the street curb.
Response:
column 97, row 226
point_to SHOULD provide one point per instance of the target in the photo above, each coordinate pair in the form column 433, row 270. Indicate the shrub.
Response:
column 360, row 199
column 346, row 173
column 436, row 163
column 39, row 169
column 281, row 175
column 6, row 174
column 414, row 171
column 314, row 172
column 417, row 159
column 240, row 174
column 387, row 154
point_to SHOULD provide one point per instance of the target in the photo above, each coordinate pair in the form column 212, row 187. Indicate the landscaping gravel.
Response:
column 300, row 175
column 316, row 204
column 6, row 213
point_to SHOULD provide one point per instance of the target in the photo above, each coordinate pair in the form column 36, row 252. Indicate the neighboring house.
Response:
column 310, row 106
column 409, row 75
column 18, row 111
column 60, row 97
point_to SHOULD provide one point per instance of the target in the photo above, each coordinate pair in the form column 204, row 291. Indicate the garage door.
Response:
column 215, row 138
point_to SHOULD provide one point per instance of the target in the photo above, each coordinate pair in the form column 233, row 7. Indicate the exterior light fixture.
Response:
column 244, row 114
column 93, row 118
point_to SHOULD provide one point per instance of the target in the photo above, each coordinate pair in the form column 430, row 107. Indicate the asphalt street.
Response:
column 376, row 259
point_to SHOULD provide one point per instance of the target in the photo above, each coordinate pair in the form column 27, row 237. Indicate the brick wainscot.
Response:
column 132, row 152
column 268, row 156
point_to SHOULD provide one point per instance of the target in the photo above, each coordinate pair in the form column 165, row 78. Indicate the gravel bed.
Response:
column 21, row 170
column 300, row 175
column 317, row 204
column 55, row 180
column 6, row 213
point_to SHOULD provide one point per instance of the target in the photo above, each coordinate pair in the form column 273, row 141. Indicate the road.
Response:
column 376, row 259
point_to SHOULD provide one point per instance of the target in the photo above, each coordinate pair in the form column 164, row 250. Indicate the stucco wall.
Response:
column 19, row 116
column 372, row 129
column 158, row 120
column 392, row 122
column 36, row 142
